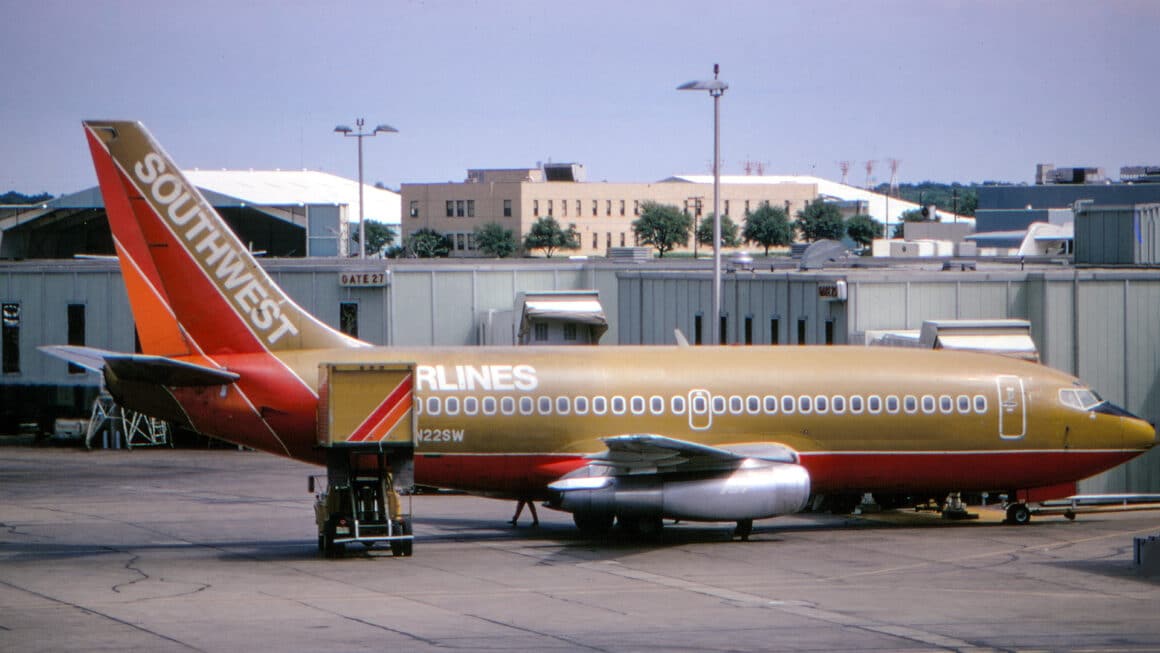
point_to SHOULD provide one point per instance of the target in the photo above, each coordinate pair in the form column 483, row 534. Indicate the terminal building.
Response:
column 1100, row 323
column 602, row 213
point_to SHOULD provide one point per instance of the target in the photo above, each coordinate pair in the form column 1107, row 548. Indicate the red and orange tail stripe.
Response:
column 389, row 416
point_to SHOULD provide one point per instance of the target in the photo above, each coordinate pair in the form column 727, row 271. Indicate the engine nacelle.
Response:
column 756, row 490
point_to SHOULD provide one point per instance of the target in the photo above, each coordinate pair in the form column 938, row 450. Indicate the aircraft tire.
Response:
column 1018, row 514
column 592, row 524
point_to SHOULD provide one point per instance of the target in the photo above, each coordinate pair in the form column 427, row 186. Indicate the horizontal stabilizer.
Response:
column 158, row 370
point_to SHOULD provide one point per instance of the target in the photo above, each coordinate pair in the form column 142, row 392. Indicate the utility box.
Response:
column 366, row 404
column 1117, row 235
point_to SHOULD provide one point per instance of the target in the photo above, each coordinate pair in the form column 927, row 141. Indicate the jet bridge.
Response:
column 366, row 425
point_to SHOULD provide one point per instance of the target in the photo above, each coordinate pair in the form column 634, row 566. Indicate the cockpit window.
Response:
column 1079, row 398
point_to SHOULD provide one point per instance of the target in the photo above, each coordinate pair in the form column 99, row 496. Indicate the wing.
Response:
column 645, row 453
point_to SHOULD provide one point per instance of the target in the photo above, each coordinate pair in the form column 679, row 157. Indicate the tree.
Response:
column 913, row 215
column 769, row 227
column 12, row 197
column 728, row 232
column 662, row 226
column 863, row 229
column 546, row 234
column 820, row 220
column 428, row 243
column 494, row 240
column 380, row 236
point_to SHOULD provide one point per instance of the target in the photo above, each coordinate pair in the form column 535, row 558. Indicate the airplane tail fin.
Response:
column 193, row 286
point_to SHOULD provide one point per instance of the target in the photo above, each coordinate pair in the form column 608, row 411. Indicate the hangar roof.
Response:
column 876, row 202
column 283, row 187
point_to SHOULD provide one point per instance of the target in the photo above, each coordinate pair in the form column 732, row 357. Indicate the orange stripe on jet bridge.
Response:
column 394, row 406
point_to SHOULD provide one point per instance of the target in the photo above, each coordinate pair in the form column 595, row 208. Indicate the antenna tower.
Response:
column 869, row 172
column 844, row 166
column 894, row 163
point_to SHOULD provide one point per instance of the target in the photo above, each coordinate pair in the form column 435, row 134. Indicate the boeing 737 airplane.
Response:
column 634, row 434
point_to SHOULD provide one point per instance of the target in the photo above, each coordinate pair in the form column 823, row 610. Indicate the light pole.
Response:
column 360, row 135
column 716, row 89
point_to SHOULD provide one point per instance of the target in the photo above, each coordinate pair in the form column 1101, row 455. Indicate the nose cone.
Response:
column 1139, row 434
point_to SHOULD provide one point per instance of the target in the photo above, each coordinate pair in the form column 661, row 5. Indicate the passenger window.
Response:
column 656, row 405
column 452, row 405
column 563, row 405
column 618, row 405
column 910, row 404
column 599, row 405
column 637, row 405
column 874, row 404
column 470, row 406
column 928, row 404
column 770, row 404
column 838, row 404
column 892, row 404
column 718, row 405
column 856, row 404
column 946, row 404
column 580, row 405
column 787, row 405
column 544, row 404
column 507, row 405
column 805, row 405
column 980, row 404
column 821, row 404
column 700, row 404
column 736, row 405
column 964, row 404
column 678, row 404
column 433, row 406
column 489, row 405
column 753, row 404
column 526, row 405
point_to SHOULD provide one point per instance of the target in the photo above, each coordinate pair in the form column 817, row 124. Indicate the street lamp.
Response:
column 716, row 89
column 360, row 135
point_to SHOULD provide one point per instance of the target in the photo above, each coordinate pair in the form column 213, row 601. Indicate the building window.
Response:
column 507, row 208
column 76, row 332
column 541, row 332
column 564, row 207
column 608, row 240
column 460, row 243
column 450, row 208
column 569, row 331
column 460, row 209
column 471, row 208
column 10, row 337
column 608, row 207
column 749, row 329
column 622, row 239
column 579, row 210
column 774, row 331
column 549, row 207
column 348, row 318
column 414, row 212
column 622, row 207
column 697, row 329
column 594, row 203
column 723, row 333
column 746, row 207
column 829, row 332
column 801, row 331
column 595, row 239
column 726, row 207
column 535, row 207
column 636, row 207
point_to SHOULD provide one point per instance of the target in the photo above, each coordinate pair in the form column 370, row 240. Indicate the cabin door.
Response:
column 700, row 410
column 1012, row 407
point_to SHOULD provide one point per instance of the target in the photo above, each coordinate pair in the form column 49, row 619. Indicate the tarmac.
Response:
column 215, row 550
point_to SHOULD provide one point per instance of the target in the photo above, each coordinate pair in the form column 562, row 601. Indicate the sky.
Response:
column 955, row 90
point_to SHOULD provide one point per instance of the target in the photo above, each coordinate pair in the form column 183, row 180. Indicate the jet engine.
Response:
column 755, row 489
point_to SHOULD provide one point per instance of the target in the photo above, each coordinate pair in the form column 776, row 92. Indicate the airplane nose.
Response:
column 1139, row 434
